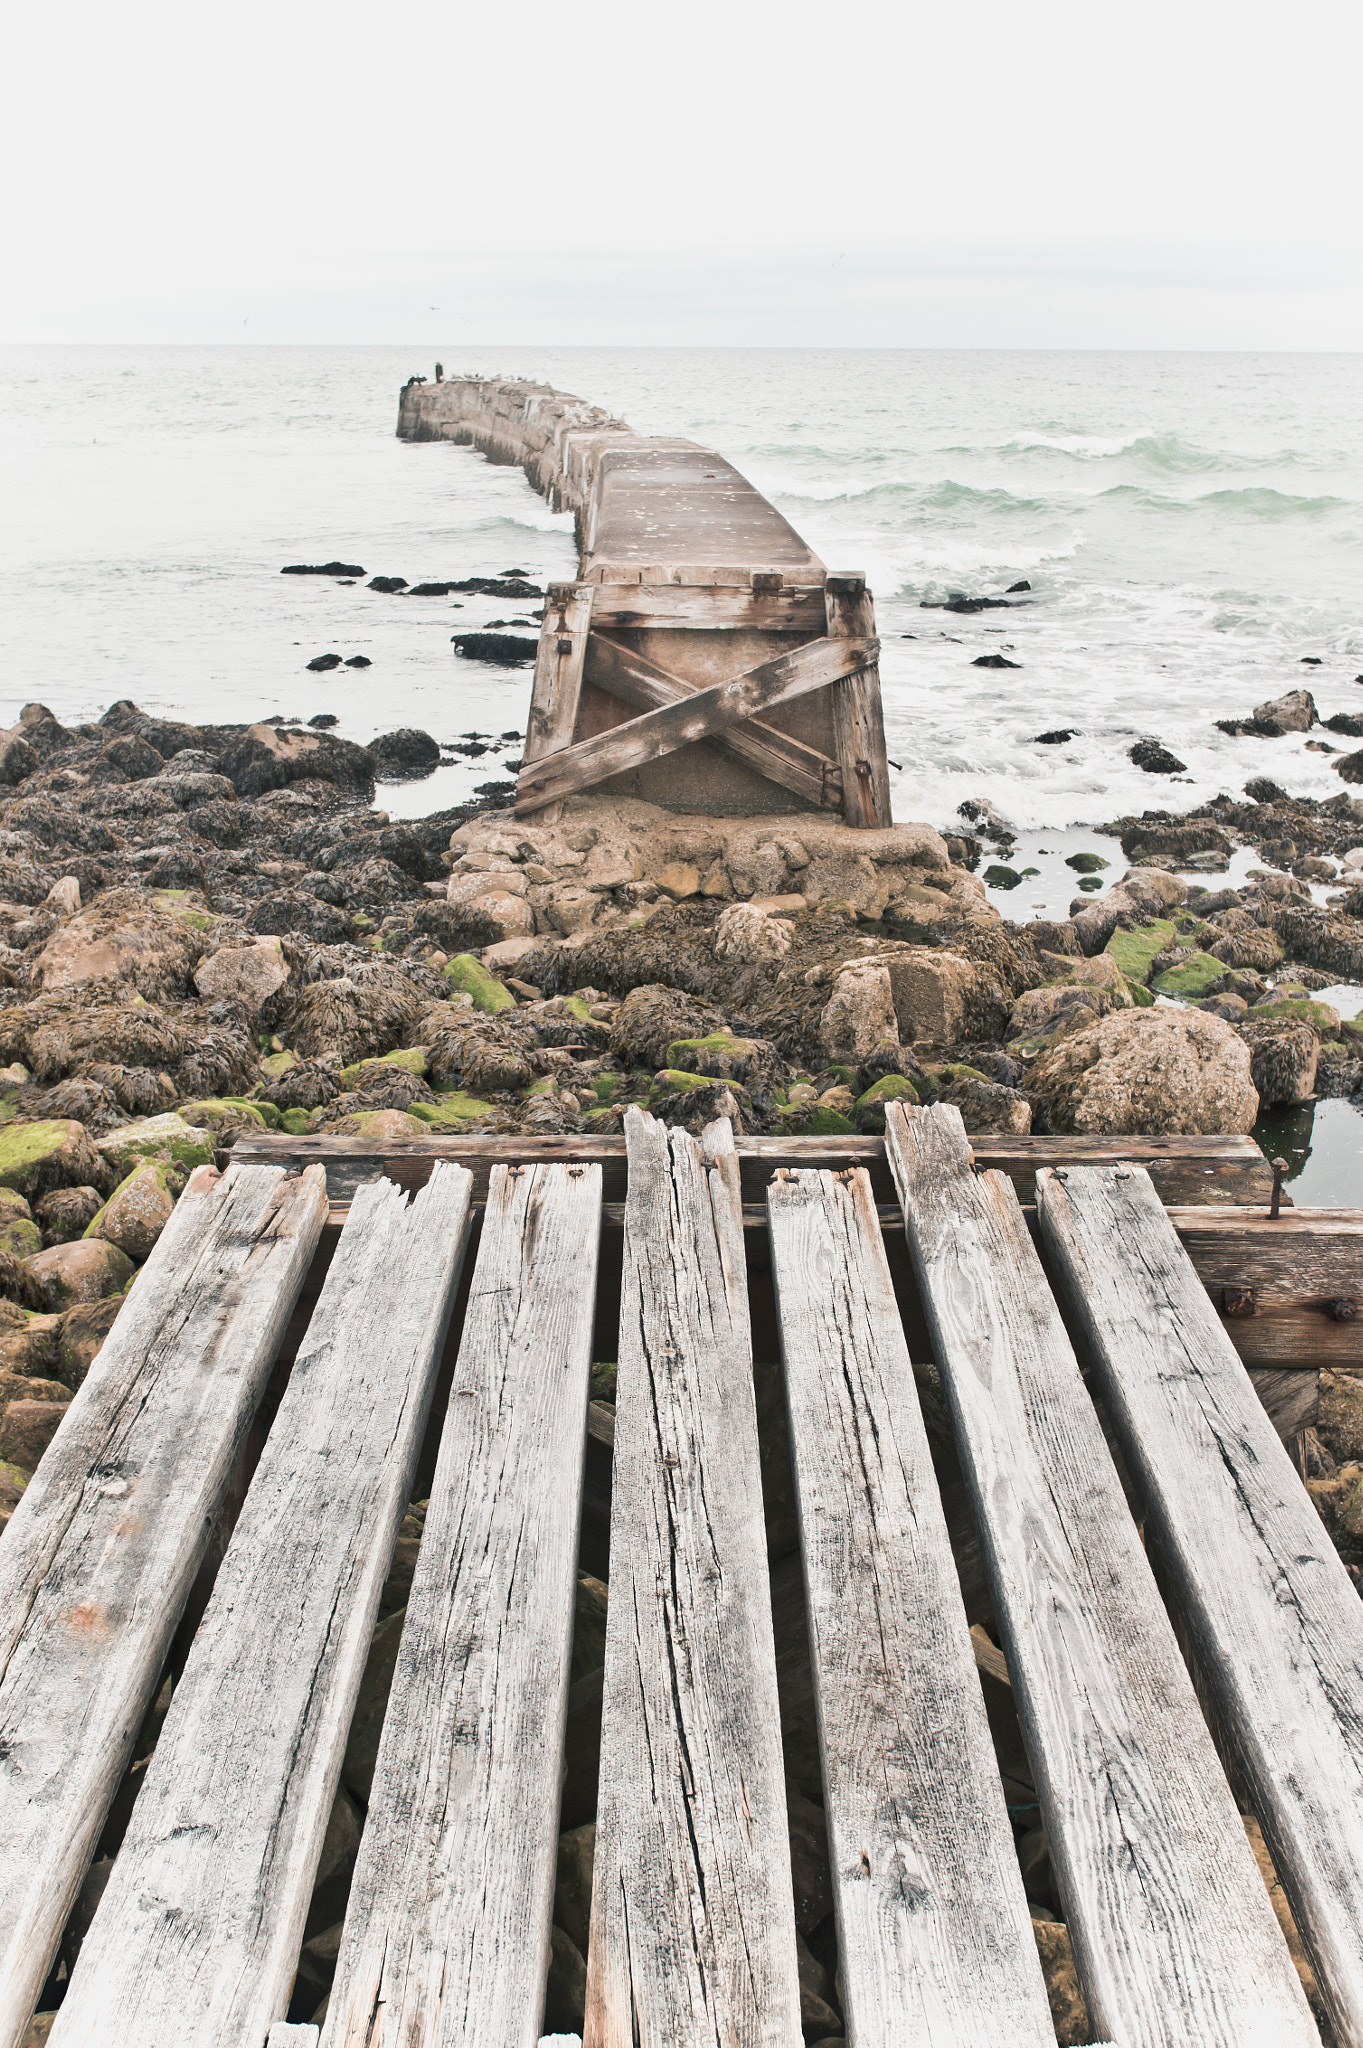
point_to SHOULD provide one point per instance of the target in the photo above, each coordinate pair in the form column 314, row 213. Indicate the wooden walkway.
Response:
column 1106, row 1542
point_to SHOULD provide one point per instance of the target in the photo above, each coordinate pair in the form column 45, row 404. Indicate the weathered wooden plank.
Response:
column 789, row 762
column 709, row 609
column 1189, row 1164
column 1275, row 1622
column 935, row 1939
column 447, row 1932
column 101, row 1552
column 656, row 733
column 858, row 721
column 196, row 1938
column 693, row 1929
column 557, row 688
column 1173, row 1934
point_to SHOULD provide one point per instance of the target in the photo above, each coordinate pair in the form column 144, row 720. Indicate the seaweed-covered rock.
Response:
column 652, row 1017
column 354, row 1017
column 694, row 1104
column 19, row 1234
column 295, row 911
column 155, row 1137
column 1283, row 1057
column 754, row 1063
column 56, row 1034
column 64, row 1214
column 249, row 975
column 1245, row 943
column 121, row 937
column 305, row 1084
column 1163, row 1070
column 484, row 1056
column 26, row 1430
column 990, row 1106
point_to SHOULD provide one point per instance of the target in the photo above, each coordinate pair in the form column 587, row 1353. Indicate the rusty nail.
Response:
column 1237, row 1302
column 1279, row 1169
column 565, row 645
column 1343, row 1308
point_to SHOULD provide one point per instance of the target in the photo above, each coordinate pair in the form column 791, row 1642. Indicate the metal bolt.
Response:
column 1343, row 1308
column 1279, row 1169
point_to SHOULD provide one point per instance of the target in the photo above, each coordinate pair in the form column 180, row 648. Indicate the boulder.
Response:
column 753, row 1063
column 942, row 997
column 89, row 1270
column 573, row 1882
column 248, row 975
column 851, row 878
column 990, row 1106
column 156, row 1137
column 1161, row 1071
column 470, row 977
column 29, row 1344
column 1295, row 712
column 859, row 1013
column 121, row 937
column 264, row 758
column 53, row 1154
column 83, row 1330
column 354, row 1018
column 19, row 1234
column 651, row 1017
column 565, row 1987
column 136, row 1212
column 407, row 753
column 133, row 756
column 1037, row 1013
column 26, row 1430
column 1069, row 2013
column 747, row 935
column 64, row 896
column 17, row 758
column 1154, row 758
column 1283, row 1057
column 1245, row 943
column 64, row 1214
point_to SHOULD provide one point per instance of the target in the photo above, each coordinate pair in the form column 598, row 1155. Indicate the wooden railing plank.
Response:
column 1276, row 1623
column 654, row 734
column 935, row 1939
column 1173, row 1933
column 557, row 688
column 102, row 1550
column 858, row 719
column 710, row 608
column 195, row 1940
column 693, row 1928
column 447, row 1931
column 803, row 770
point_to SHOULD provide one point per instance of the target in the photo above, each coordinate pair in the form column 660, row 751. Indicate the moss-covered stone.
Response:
column 268, row 1110
column 297, row 1122
column 1322, row 1018
column 139, row 1209
column 1087, row 863
column 14, row 1475
column 1191, row 979
column 55, row 1154
column 225, row 1113
column 955, row 1073
column 168, row 1135
column 675, row 1081
column 811, row 1120
column 1136, row 952
column 276, row 1064
column 869, row 1111
column 469, row 977
column 608, row 1088
column 448, row 1112
column 411, row 1058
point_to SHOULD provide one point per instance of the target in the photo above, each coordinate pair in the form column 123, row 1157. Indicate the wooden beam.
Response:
column 935, row 1940
column 557, row 689
column 1187, row 1170
column 660, row 732
column 1174, row 1936
column 196, row 1938
column 103, row 1548
column 709, row 609
column 858, row 720
column 1275, row 1622
column 693, row 1927
column 447, row 1930
column 788, row 762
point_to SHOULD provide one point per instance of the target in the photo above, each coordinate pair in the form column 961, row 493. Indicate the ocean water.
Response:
column 1191, row 526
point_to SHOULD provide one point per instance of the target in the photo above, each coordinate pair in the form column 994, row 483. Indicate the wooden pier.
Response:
column 323, row 1319
column 700, row 632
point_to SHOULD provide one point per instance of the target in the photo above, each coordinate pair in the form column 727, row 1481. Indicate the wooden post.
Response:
column 858, row 724
column 558, row 676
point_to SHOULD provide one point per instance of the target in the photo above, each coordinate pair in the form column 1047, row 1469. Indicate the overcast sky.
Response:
column 1181, row 174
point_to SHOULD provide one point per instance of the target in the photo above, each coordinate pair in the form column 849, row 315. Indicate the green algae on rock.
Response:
column 48, row 1154
column 168, row 1135
column 471, row 978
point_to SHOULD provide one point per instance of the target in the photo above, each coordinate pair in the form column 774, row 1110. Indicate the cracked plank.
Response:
column 934, row 1935
column 1276, row 1625
column 1173, row 1933
column 196, row 1938
column 447, row 1932
column 693, row 1924
column 98, row 1560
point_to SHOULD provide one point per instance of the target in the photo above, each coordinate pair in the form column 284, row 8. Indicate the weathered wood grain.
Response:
column 656, row 733
column 557, row 688
column 102, row 1550
column 789, row 762
column 858, row 720
column 1173, row 1934
column 196, row 1938
column 935, row 1939
column 709, row 608
column 693, row 1929
column 1276, row 1623
column 447, row 1932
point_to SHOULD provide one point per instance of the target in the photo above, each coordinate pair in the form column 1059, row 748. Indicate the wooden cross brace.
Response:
column 676, row 712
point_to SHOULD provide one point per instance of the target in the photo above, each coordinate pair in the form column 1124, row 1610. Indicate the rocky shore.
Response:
column 211, row 929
